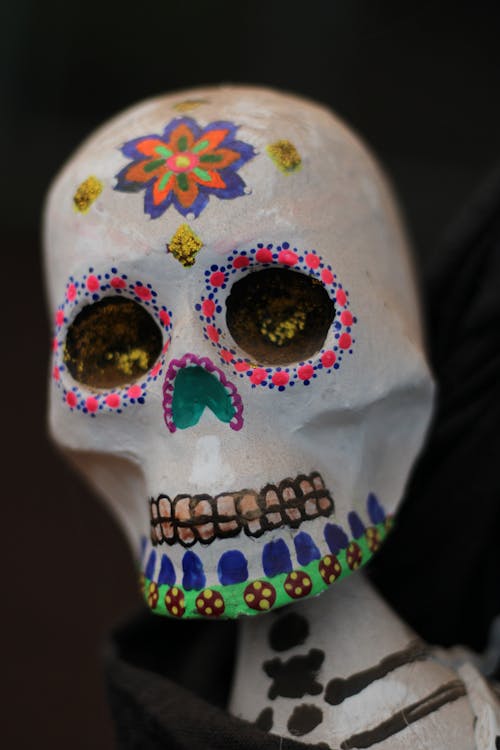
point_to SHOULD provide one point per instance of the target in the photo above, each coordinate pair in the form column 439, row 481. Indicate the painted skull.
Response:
column 238, row 366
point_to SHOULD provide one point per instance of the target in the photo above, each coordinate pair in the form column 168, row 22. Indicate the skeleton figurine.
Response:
column 238, row 370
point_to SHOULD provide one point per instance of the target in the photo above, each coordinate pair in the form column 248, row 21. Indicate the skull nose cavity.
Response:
column 191, row 385
column 194, row 390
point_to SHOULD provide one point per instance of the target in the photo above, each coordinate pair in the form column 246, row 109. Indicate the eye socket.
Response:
column 111, row 343
column 279, row 316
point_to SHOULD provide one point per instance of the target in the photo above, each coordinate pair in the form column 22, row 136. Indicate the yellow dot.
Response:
column 207, row 594
column 285, row 155
column 175, row 611
column 208, row 610
column 86, row 194
column 218, row 603
column 168, row 599
column 182, row 161
column 184, row 245
column 293, row 576
column 264, row 604
column 175, row 591
column 327, row 561
column 200, row 603
column 267, row 593
column 189, row 104
column 257, row 585
column 306, row 582
column 331, row 579
column 249, row 598
column 182, row 602
column 288, row 586
column 298, row 591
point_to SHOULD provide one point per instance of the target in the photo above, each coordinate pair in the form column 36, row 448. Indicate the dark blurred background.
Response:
column 421, row 84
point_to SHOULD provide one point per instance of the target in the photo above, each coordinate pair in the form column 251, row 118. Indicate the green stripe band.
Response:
column 233, row 594
column 152, row 165
column 164, row 180
column 200, row 146
column 202, row 174
column 164, row 151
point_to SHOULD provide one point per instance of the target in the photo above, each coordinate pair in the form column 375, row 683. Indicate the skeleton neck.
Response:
column 344, row 670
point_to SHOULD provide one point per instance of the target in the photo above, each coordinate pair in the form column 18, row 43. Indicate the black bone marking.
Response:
column 296, row 677
column 204, row 527
column 304, row 719
column 265, row 720
column 340, row 688
column 409, row 715
column 290, row 630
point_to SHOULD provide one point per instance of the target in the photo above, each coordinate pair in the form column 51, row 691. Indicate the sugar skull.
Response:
column 237, row 359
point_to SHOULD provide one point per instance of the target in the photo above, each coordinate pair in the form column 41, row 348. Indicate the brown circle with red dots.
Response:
column 297, row 584
column 210, row 603
column 373, row 538
column 175, row 601
column 259, row 595
column 330, row 569
column 354, row 556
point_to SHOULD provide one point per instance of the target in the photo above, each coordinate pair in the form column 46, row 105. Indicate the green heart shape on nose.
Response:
column 195, row 389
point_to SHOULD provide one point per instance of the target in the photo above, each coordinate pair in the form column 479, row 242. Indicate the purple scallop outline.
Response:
column 190, row 360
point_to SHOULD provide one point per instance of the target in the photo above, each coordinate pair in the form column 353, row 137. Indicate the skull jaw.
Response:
column 257, row 595
column 287, row 521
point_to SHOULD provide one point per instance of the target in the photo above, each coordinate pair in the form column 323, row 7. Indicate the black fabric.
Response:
column 169, row 681
column 168, row 685
column 440, row 569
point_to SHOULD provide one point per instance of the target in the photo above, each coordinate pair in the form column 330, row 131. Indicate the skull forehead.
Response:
column 337, row 202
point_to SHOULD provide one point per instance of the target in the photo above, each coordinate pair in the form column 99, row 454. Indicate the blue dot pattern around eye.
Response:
column 375, row 510
column 356, row 524
column 336, row 538
column 306, row 549
column 232, row 567
column 276, row 558
column 194, row 575
column 167, row 571
column 151, row 565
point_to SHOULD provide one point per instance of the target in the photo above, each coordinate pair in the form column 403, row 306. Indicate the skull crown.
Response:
column 237, row 359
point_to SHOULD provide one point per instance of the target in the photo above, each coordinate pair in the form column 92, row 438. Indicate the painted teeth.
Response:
column 189, row 519
column 203, row 512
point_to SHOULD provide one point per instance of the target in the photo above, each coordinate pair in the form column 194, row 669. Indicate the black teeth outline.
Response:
column 241, row 520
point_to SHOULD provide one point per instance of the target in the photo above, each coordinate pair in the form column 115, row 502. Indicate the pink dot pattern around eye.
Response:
column 82, row 291
column 211, row 310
